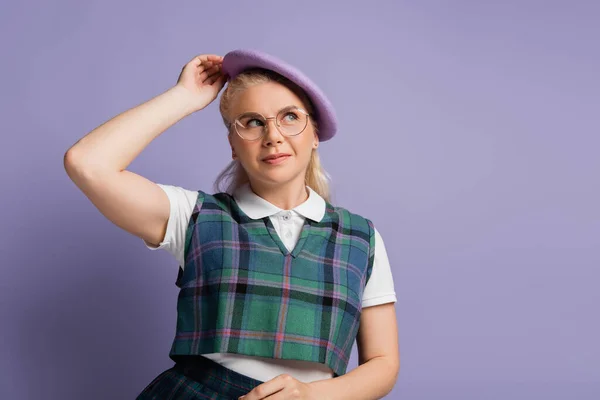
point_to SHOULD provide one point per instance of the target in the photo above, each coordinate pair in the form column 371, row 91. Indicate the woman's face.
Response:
column 268, row 99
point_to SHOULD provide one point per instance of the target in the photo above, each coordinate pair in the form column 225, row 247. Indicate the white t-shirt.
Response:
column 288, row 225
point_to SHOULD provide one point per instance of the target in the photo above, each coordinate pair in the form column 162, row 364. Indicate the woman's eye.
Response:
column 250, row 123
column 292, row 115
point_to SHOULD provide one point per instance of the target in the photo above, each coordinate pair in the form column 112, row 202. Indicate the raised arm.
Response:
column 97, row 162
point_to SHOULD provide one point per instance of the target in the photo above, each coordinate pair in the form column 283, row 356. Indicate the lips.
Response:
column 274, row 157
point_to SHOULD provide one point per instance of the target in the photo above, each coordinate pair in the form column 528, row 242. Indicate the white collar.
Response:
column 256, row 207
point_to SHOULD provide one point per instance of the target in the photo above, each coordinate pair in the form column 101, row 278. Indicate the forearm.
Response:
column 116, row 143
column 371, row 380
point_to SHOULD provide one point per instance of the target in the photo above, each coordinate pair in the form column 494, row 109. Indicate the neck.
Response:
column 283, row 195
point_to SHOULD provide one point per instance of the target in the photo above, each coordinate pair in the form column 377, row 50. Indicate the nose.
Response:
column 272, row 134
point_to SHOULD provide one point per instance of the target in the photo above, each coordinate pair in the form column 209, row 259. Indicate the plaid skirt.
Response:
column 198, row 377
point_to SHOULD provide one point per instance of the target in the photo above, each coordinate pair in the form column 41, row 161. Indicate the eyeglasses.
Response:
column 290, row 121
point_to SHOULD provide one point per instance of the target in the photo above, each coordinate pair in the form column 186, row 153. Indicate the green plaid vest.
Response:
column 243, row 292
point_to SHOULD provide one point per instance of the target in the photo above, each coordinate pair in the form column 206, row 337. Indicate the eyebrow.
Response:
column 257, row 113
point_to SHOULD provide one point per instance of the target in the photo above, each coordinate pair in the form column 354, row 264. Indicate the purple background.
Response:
column 468, row 134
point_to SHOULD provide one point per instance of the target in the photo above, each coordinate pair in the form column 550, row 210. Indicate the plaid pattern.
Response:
column 198, row 378
column 243, row 292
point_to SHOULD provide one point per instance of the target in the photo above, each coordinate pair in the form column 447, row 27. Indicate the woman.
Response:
column 276, row 283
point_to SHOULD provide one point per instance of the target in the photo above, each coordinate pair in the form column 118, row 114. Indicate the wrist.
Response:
column 322, row 389
column 185, row 99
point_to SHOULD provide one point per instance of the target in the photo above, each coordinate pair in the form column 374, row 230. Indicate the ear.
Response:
column 233, row 155
column 316, row 142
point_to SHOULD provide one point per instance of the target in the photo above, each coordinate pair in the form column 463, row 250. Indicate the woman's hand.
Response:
column 203, row 79
column 284, row 387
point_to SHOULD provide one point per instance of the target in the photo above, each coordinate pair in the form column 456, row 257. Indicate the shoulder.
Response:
column 220, row 200
column 347, row 217
column 185, row 202
column 181, row 194
column 178, row 192
column 213, row 206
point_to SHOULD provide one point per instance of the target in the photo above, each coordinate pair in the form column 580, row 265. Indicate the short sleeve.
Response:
column 182, row 202
column 380, row 286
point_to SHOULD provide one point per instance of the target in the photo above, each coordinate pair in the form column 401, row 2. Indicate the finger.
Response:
column 220, row 82
column 263, row 395
column 215, row 78
column 281, row 395
column 209, row 67
column 202, row 58
column 267, row 388
column 209, row 73
column 206, row 66
column 205, row 71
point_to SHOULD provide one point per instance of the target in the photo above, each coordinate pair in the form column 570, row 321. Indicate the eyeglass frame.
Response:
column 266, row 119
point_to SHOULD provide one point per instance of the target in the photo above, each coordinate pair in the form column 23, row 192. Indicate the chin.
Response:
column 275, row 177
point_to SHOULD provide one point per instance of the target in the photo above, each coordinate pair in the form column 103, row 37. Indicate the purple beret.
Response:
column 237, row 61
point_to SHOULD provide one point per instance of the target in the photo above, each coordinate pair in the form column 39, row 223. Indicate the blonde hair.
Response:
column 234, row 175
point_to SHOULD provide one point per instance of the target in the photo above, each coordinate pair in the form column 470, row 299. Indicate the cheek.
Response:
column 306, row 146
column 303, row 156
column 246, row 151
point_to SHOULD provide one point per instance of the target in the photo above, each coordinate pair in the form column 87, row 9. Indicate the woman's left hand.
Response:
column 283, row 387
